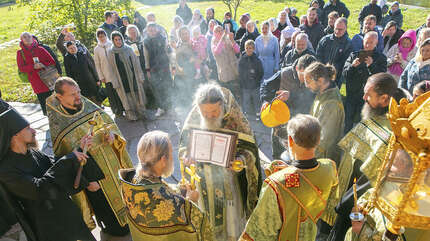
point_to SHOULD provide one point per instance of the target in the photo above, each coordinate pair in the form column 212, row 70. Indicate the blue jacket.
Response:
column 357, row 42
column 412, row 75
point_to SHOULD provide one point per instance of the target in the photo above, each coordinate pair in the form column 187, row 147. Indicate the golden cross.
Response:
column 193, row 175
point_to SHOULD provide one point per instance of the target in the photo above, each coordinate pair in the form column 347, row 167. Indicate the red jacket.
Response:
column 44, row 57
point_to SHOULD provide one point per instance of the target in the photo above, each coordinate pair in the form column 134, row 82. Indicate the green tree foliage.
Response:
column 48, row 17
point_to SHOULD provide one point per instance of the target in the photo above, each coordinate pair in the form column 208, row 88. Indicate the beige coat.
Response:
column 226, row 61
column 104, row 69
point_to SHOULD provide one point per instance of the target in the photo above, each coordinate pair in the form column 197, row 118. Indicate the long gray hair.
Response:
column 151, row 148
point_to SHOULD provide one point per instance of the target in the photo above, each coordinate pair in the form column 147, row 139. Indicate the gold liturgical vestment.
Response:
column 66, row 132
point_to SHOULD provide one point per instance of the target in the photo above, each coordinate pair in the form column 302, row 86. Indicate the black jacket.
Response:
column 314, row 32
column 185, row 13
column 335, row 51
column 246, row 37
column 293, row 55
column 328, row 30
column 301, row 98
column 295, row 21
column 250, row 71
column 42, row 187
column 370, row 9
column 394, row 40
column 397, row 17
column 329, row 7
column 356, row 77
column 157, row 51
column 79, row 68
column 239, row 34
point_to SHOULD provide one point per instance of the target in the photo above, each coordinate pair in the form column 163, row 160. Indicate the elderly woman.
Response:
column 267, row 49
column 423, row 35
column 128, row 77
column 144, row 192
column 400, row 54
column 295, row 21
column 177, row 24
column 273, row 28
column 418, row 69
column 283, row 20
column 198, row 20
column 224, row 49
column 134, row 39
column 185, row 68
column 251, row 33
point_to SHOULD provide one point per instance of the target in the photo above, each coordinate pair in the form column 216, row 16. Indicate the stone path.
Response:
column 132, row 131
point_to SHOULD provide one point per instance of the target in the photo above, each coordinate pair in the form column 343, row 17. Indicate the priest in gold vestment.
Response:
column 294, row 196
column 71, row 117
column 156, row 210
column 227, row 196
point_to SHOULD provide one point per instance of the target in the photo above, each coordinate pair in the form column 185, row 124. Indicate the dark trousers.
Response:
column 106, row 218
column 161, row 82
column 277, row 147
column 353, row 108
column 42, row 100
column 114, row 100
column 251, row 101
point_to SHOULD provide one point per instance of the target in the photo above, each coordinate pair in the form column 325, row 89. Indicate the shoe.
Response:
column 159, row 112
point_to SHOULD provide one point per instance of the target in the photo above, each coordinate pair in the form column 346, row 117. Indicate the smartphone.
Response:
column 227, row 28
column 363, row 54
column 36, row 60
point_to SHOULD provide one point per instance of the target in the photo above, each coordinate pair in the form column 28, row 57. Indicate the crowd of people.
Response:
column 234, row 71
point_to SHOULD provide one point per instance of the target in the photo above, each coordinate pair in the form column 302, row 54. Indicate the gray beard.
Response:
column 368, row 111
column 211, row 124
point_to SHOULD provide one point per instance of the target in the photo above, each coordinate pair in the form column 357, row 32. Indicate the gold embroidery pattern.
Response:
column 164, row 210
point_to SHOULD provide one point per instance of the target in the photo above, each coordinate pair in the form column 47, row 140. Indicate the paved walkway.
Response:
column 132, row 131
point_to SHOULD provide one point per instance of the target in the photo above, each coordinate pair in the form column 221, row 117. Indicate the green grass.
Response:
column 14, row 21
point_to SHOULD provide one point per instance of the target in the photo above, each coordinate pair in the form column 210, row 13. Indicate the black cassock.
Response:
column 41, row 187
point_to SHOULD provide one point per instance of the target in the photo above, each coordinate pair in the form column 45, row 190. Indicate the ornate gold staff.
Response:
column 92, row 123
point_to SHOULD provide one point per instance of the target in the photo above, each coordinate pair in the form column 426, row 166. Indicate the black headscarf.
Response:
column 11, row 122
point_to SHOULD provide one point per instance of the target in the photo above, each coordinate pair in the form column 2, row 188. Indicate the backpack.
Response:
column 22, row 75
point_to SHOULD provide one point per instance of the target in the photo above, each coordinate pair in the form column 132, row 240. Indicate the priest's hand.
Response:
column 93, row 187
column 109, row 138
column 282, row 95
column 86, row 141
column 193, row 195
column 264, row 105
column 82, row 157
column 356, row 226
column 189, row 161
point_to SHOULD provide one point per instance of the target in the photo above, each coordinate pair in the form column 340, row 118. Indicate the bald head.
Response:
column 370, row 41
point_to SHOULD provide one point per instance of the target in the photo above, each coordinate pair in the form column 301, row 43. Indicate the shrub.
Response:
column 48, row 17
